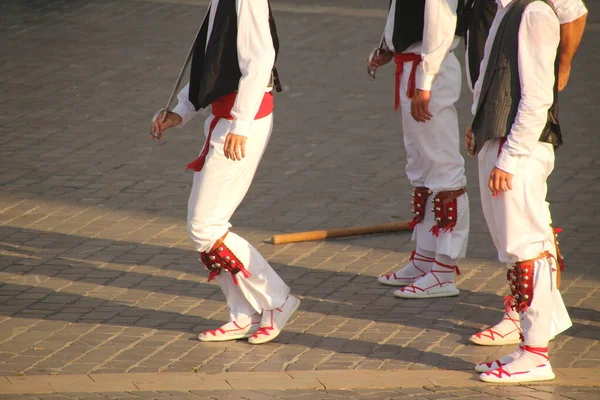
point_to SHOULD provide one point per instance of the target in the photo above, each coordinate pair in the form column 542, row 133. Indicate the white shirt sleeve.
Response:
column 569, row 10
column 438, row 35
column 184, row 107
column 539, row 36
column 256, row 56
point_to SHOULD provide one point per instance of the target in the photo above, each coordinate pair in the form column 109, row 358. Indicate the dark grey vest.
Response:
column 501, row 90
column 479, row 15
column 215, row 71
column 409, row 22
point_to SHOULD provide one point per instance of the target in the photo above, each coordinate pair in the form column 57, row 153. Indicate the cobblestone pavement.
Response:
column 96, row 271
column 506, row 392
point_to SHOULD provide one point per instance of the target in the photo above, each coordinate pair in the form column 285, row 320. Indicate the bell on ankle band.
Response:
column 221, row 257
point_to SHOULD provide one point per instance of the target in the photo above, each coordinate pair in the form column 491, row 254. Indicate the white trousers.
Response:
column 433, row 157
column 217, row 191
column 519, row 222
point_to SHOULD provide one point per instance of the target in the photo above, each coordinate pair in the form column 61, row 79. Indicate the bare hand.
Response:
column 419, row 107
column 564, row 72
column 235, row 146
column 163, row 123
column 381, row 57
column 469, row 141
column 500, row 181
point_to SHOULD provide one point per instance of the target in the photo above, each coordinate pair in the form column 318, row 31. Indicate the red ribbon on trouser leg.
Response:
column 400, row 59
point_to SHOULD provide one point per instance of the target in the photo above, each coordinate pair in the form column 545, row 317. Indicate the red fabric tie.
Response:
column 501, row 146
column 400, row 59
column 221, row 108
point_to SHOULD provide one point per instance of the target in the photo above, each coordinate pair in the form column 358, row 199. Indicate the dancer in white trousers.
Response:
column 515, row 132
column 572, row 15
column 420, row 37
column 233, row 72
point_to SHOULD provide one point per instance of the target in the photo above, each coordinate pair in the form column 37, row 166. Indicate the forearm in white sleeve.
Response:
column 438, row 35
column 256, row 56
column 539, row 36
column 184, row 107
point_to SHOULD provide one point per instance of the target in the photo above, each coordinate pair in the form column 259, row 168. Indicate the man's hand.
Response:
column 235, row 146
column 564, row 72
column 380, row 57
column 419, row 107
column 159, row 126
column 469, row 141
column 500, row 181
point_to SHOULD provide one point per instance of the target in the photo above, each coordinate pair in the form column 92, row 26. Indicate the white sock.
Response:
column 518, row 352
column 441, row 274
column 420, row 264
column 509, row 325
column 530, row 358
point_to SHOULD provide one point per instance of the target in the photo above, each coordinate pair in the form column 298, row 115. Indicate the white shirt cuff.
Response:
column 508, row 163
column 240, row 127
column 474, row 109
column 424, row 81
column 185, row 113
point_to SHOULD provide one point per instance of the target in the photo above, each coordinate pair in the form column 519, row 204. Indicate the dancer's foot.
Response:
column 233, row 330
column 507, row 359
column 418, row 266
column 273, row 321
column 532, row 365
column 507, row 331
column 439, row 282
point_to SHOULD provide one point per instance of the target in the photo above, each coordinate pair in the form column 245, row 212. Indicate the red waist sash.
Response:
column 221, row 109
column 400, row 59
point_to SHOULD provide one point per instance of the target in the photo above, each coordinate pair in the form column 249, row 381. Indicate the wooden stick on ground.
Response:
column 340, row 232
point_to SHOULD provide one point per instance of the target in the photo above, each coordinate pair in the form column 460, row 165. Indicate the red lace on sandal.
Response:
column 492, row 333
column 414, row 256
column 414, row 289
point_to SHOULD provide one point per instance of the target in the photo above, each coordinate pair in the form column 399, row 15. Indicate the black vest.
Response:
column 215, row 72
column 478, row 18
column 501, row 88
column 409, row 22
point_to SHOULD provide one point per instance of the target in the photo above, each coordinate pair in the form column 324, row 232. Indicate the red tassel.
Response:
column 213, row 274
column 448, row 229
column 245, row 272
column 435, row 230
column 412, row 84
column 413, row 223
column 397, row 91
column 197, row 164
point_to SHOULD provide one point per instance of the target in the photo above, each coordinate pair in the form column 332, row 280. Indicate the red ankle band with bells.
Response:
column 419, row 199
column 221, row 257
column 445, row 208
column 520, row 278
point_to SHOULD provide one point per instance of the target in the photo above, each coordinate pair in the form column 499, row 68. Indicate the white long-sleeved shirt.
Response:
column 438, row 38
column 256, row 56
column 539, row 36
column 567, row 11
